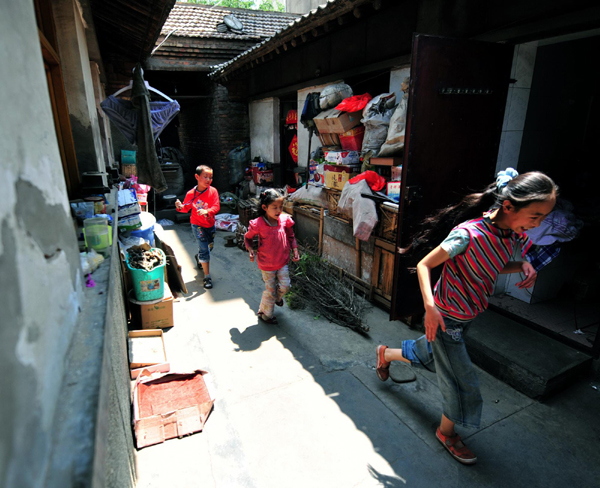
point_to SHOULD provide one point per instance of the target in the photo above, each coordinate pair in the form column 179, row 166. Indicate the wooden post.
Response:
column 321, row 231
column 357, row 258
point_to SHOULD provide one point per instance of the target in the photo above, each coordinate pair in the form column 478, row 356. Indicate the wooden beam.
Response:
column 357, row 12
column 377, row 4
column 358, row 268
column 293, row 42
column 303, row 37
column 321, row 231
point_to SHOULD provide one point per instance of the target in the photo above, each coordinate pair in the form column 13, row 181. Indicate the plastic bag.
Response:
column 376, row 182
column 90, row 261
column 313, row 195
column 239, row 158
column 227, row 222
column 395, row 136
column 355, row 103
column 334, row 94
column 362, row 211
column 376, row 118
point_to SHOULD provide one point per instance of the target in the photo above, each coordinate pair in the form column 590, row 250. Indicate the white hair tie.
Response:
column 504, row 177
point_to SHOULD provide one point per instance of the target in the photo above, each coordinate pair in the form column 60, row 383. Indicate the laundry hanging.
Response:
column 123, row 114
column 142, row 125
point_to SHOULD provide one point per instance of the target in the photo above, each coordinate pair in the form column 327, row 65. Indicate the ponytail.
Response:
column 519, row 190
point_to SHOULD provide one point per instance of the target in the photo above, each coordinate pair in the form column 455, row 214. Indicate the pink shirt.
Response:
column 274, row 242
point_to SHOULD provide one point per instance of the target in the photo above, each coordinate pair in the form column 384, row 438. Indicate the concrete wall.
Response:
column 40, row 281
column 79, row 85
column 264, row 129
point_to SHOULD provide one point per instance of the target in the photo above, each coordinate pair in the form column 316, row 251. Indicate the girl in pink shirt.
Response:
column 275, row 239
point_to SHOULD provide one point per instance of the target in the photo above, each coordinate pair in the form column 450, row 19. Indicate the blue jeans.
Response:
column 457, row 379
column 206, row 238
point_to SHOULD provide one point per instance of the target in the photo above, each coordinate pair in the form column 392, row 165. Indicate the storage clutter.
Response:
column 360, row 132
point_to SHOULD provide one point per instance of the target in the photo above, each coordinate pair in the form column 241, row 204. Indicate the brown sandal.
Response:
column 267, row 320
column 456, row 447
column 279, row 303
column 383, row 367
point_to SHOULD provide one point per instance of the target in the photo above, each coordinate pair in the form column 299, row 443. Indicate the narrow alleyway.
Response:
column 299, row 405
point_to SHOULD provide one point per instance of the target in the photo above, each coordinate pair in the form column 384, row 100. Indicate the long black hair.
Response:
column 520, row 191
column 267, row 197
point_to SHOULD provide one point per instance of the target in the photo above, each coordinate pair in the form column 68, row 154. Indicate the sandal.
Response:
column 267, row 320
column 383, row 367
column 279, row 303
column 456, row 447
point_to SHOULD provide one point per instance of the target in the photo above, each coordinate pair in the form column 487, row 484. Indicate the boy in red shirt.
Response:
column 205, row 201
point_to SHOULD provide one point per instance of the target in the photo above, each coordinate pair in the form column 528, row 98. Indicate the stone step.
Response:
column 527, row 360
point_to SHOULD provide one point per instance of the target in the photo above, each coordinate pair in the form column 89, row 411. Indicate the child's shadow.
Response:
column 254, row 335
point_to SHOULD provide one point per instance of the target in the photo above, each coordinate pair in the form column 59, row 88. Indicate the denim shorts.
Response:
column 456, row 375
column 206, row 239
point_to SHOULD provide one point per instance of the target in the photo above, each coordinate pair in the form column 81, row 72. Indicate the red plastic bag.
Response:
column 375, row 181
column 355, row 103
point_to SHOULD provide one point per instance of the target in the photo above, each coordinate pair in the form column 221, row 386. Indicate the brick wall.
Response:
column 210, row 128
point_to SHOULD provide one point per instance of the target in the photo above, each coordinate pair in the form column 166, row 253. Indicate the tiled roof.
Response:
column 189, row 20
column 330, row 8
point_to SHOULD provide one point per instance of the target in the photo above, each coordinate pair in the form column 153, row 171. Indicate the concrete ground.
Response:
column 298, row 404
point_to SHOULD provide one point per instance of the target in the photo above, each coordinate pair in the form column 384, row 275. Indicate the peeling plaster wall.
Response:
column 79, row 85
column 40, row 286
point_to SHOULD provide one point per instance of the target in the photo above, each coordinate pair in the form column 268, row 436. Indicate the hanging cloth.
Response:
column 140, row 124
column 123, row 114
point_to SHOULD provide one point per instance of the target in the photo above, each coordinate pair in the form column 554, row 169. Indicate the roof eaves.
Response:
column 332, row 9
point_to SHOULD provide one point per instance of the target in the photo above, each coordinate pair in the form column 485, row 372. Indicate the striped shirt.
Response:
column 468, row 279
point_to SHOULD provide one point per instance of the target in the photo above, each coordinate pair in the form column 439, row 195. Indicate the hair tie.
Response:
column 504, row 177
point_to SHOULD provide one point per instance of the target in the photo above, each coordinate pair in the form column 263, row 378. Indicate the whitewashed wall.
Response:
column 264, row 129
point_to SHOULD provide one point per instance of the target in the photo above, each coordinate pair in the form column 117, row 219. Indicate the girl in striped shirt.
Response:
column 474, row 254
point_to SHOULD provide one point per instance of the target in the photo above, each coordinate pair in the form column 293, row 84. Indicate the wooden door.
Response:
column 456, row 107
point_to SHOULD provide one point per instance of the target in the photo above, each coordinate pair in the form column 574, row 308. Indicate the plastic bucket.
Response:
column 97, row 233
column 146, row 231
column 148, row 285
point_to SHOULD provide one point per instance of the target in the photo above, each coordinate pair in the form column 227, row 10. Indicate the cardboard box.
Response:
column 393, row 190
column 352, row 140
column 170, row 405
column 155, row 314
column 146, row 348
column 336, row 175
column 334, row 121
column 342, row 157
column 330, row 139
column 386, row 161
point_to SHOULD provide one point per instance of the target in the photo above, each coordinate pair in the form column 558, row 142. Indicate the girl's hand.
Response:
column 178, row 204
column 530, row 275
column 433, row 320
column 251, row 256
column 296, row 255
column 202, row 211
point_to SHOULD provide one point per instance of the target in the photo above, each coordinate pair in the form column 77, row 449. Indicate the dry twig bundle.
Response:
column 144, row 259
column 316, row 286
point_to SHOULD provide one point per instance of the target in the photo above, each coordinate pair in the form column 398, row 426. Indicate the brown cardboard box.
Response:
column 334, row 121
column 336, row 175
column 155, row 314
column 170, row 405
column 146, row 348
column 386, row 161
column 328, row 139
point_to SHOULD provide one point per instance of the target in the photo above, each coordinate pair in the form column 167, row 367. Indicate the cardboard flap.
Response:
column 149, row 431
column 189, row 421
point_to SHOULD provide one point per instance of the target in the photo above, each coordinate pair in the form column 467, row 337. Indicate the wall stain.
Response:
column 47, row 224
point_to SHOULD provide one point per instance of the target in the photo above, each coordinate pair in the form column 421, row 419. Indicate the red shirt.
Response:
column 274, row 242
column 208, row 200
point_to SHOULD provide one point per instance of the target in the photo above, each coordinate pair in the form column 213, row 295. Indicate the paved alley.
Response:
column 298, row 404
